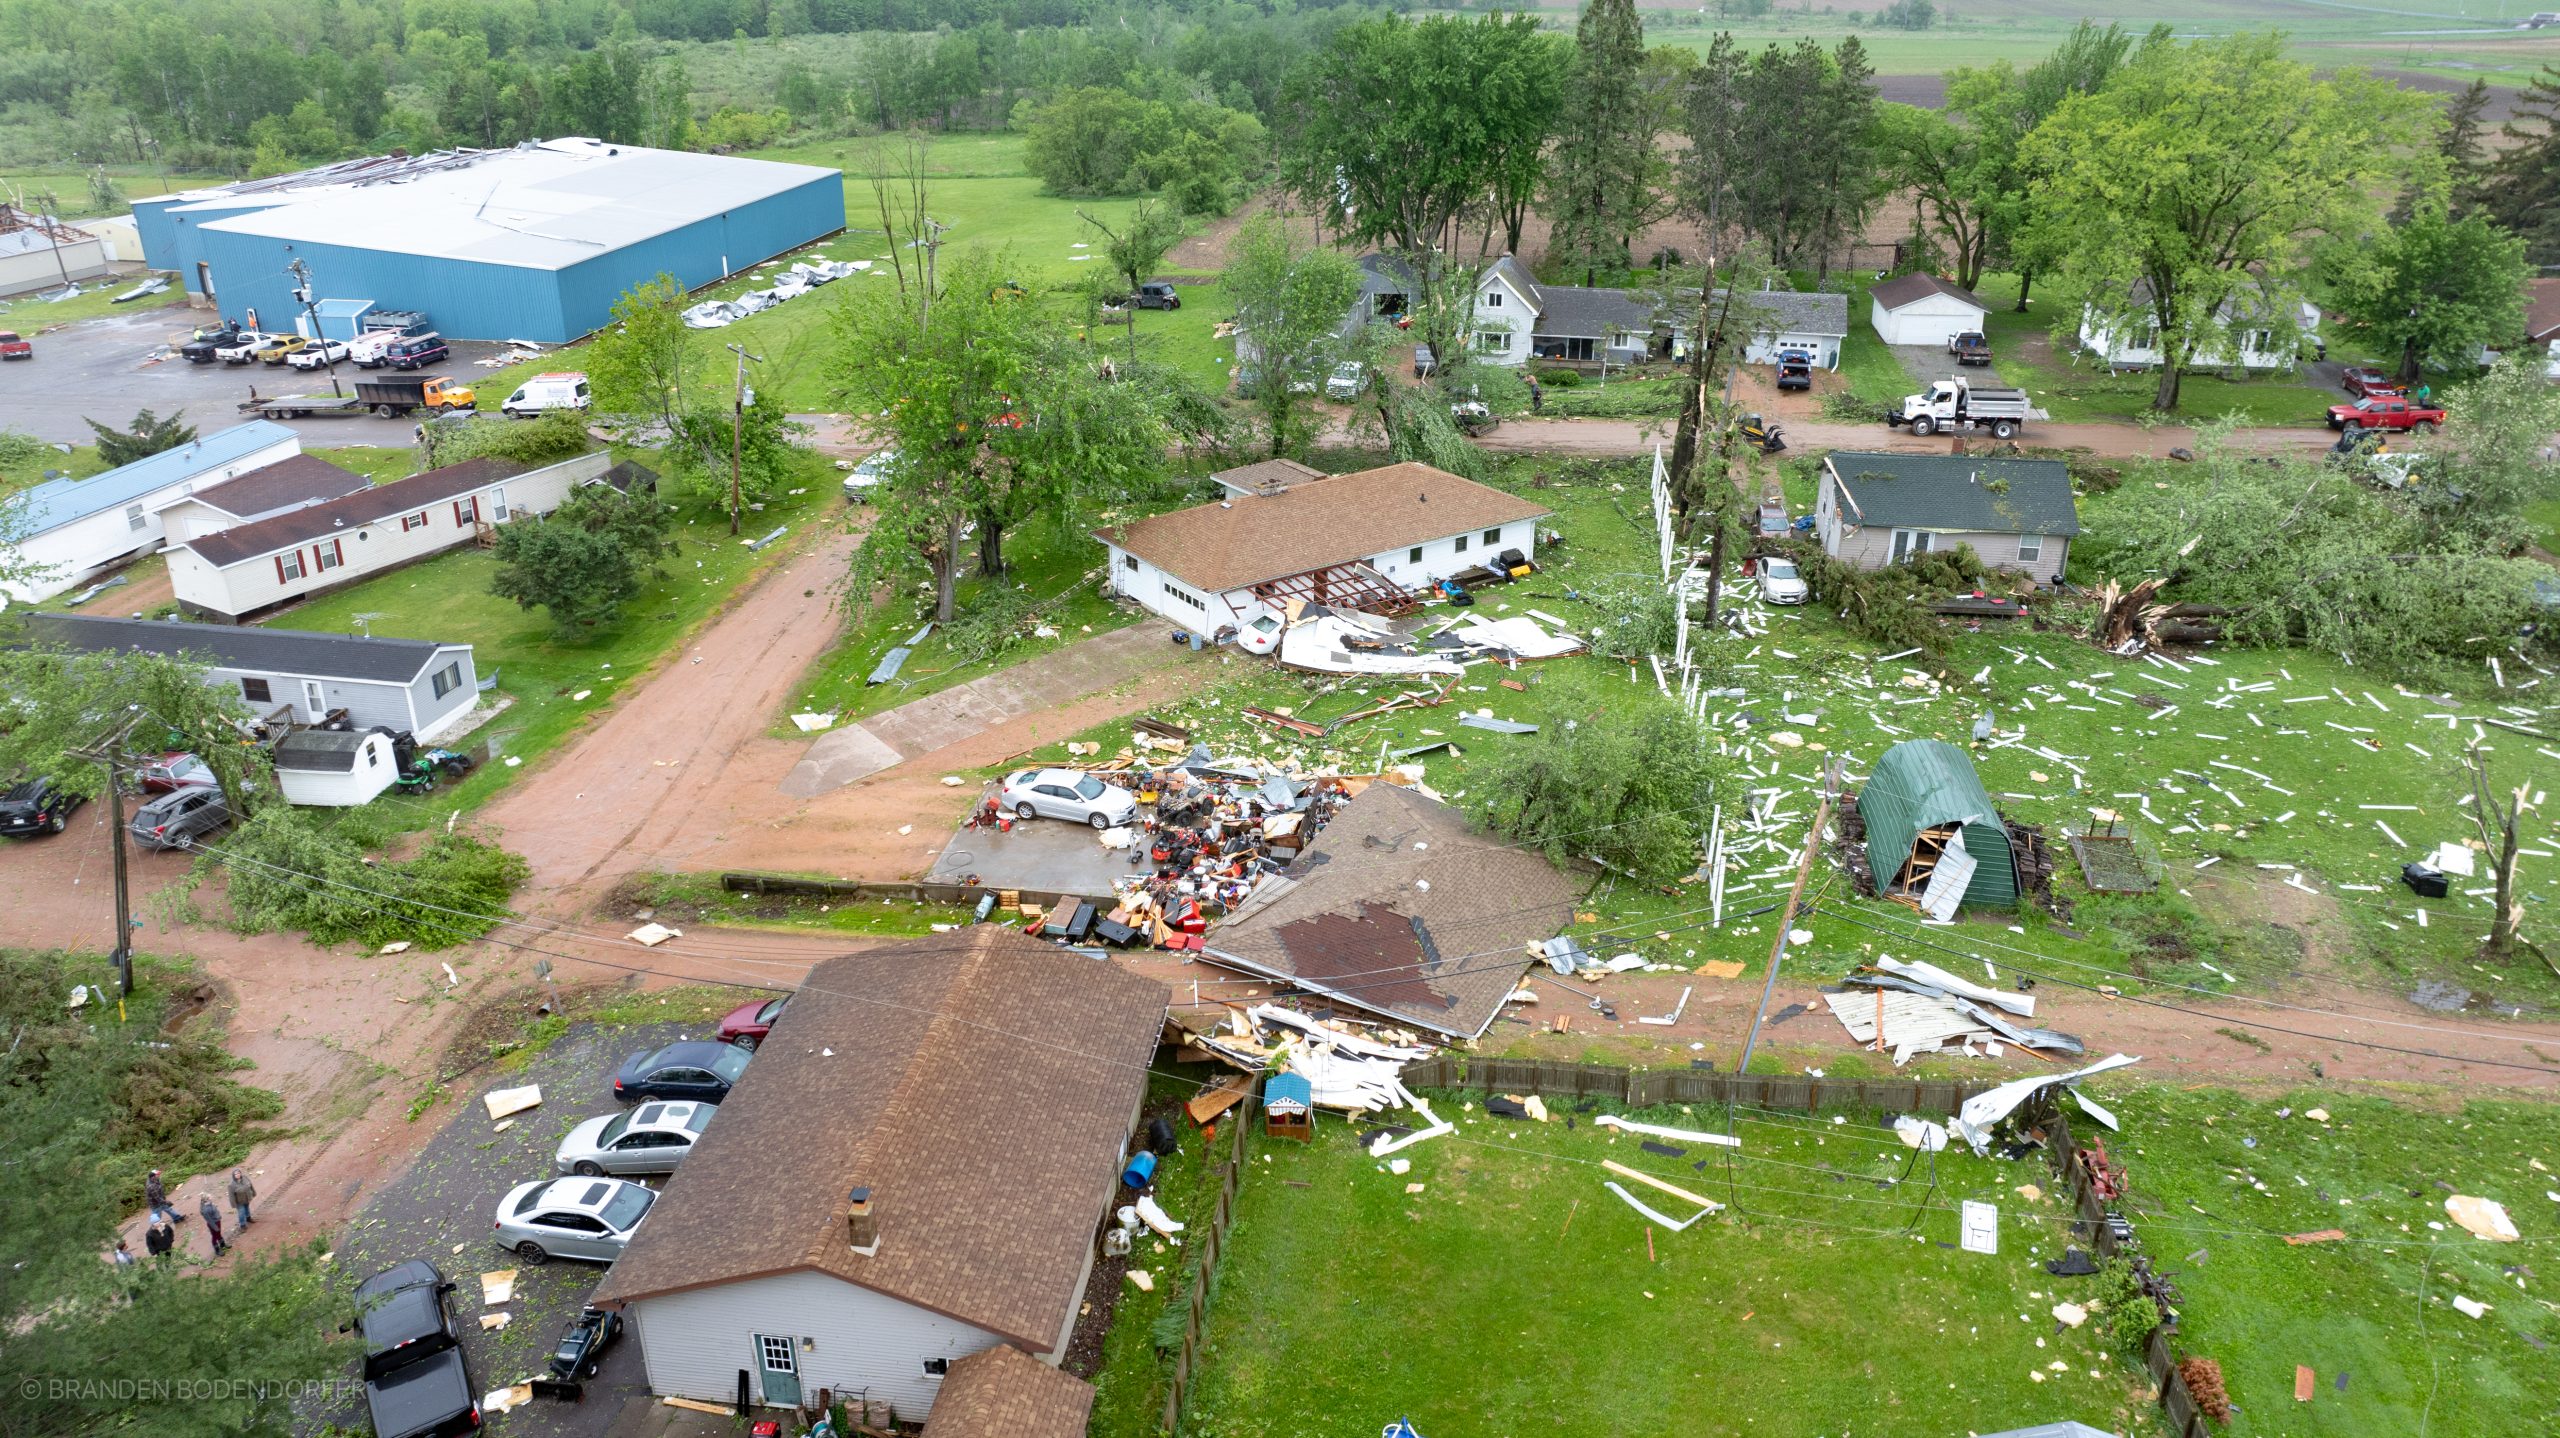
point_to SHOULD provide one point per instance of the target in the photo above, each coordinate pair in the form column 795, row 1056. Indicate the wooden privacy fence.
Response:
column 1209, row 1244
column 2186, row 1419
column 1646, row 1088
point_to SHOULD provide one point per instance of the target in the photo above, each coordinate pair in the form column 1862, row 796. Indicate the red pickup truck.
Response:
column 2385, row 411
column 14, row 346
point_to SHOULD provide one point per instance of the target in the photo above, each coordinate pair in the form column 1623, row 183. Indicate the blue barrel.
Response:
column 1140, row 1172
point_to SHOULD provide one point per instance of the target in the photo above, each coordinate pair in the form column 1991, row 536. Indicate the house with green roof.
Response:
column 1876, row 509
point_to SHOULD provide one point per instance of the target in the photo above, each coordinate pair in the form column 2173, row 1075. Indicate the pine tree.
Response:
column 1602, row 171
column 149, row 435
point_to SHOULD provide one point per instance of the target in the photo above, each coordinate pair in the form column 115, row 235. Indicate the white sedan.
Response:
column 589, row 1218
column 652, row 1138
column 1780, row 583
column 1067, row 794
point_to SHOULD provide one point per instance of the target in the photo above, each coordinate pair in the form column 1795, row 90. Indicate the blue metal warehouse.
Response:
column 531, row 243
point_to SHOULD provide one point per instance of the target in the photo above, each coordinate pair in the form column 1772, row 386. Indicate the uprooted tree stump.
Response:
column 2203, row 1377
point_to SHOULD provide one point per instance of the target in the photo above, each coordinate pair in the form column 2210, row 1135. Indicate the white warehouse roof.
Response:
column 543, row 205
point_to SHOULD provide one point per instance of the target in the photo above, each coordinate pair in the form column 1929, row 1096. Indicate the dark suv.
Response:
column 1156, row 295
column 35, row 807
column 416, row 353
column 414, row 1383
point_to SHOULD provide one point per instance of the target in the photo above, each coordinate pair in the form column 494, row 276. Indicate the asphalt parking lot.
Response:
column 108, row 368
column 441, row 1210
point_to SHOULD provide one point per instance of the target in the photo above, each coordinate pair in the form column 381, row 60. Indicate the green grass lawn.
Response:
column 1870, row 369
column 2217, row 1178
column 31, row 315
column 1514, row 1292
column 556, row 685
column 70, row 188
column 982, row 190
column 2227, row 916
column 2081, row 392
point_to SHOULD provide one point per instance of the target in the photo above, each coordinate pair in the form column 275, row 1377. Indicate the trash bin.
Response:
column 1140, row 1172
column 2425, row 882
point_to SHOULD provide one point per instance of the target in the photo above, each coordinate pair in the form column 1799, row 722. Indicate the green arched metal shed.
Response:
column 1925, row 784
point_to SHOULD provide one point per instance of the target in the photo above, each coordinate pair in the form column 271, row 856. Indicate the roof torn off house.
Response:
column 1402, row 908
column 1907, row 1009
column 1325, row 640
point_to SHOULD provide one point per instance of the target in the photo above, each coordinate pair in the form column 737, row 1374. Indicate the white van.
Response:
column 562, row 389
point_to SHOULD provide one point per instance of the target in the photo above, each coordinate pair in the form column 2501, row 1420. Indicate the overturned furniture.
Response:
column 1934, row 840
column 2113, row 859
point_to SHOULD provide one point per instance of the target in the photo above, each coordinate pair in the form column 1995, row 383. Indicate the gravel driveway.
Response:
column 446, row 1200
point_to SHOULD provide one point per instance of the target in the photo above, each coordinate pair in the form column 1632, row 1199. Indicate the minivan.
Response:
column 564, row 389
column 416, row 353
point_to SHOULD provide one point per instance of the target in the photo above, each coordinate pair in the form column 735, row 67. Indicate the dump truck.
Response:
column 1958, row 405
column 390, row 397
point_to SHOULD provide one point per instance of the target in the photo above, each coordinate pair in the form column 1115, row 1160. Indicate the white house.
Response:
column 334, row 769
column 1814, row 322
column 2131, row 340
column 295, row 482
column 71, row 529
column 1875, row 509
column 849, row 1223
column 1923, row 310
column 254, row 567
column 298, row 676
column 1351, row 540
column 1516, row 319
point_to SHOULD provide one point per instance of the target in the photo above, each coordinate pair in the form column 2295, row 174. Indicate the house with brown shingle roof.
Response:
column 914, row 1169
column 1234, row 563
column 1404, row 908
column 1004, row 1392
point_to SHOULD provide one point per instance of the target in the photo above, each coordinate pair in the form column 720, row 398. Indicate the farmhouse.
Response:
column 73, row 528
column 298, row 676
column 249, row 568
column 1350, row 540
column 334, row 769
column 534, row 242
column 1877, row 509
column 1923, row 310
column 1516, row 319
column 1353, row 924
column 295, row 482
column 892, row 1188
column 2128, row 337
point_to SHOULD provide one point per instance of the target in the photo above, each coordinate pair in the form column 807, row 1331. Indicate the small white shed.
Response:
column 331, row 769
column 1923, row 310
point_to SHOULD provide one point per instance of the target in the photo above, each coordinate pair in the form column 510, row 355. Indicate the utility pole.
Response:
column 106, row 752
column 1795, row 897
column 310, row 308
column 737, row 424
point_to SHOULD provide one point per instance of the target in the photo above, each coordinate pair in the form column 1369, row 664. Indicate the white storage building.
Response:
column 334, row 769
column 1923, row 310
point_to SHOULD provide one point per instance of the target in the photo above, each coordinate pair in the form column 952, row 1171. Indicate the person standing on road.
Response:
column 212, row 1223
column 241, row 1192
column 160, row 1240
column 123, row 1256
column 156, row 1194
column 1537, row 396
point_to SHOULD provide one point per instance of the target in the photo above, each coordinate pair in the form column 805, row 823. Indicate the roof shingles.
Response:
column 245, row 542
column 1232, row 544
column 1003, row 1392
column 1955, row 493
column 990, row 1158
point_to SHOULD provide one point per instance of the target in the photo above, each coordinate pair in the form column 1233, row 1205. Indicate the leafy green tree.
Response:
column 2432, row 289
column 1290, row 300
column 2496, row 430
column 1135, row 248
column 1605, row 164
column 2203, row 170
column 1955, row 174
column 66, row 701
column 586, row 559
column 642, row 365
column 105, row 196
column 2520, row 188
column 1908, row 15
column 287, row 870
column 1783, row 146
column 545, row 439
column 1622, row 781
column 149, row 434
column 759, row 439
column 996, row 417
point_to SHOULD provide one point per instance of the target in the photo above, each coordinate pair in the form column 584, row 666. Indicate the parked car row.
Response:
column 184, row 803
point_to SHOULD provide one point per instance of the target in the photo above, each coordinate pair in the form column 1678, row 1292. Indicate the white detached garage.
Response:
column 1923, row 310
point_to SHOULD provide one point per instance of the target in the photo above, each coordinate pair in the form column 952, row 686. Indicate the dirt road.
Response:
column 1627, row 436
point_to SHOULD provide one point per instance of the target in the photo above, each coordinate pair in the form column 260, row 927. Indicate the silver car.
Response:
column 652, row 1138
column 178, row 819
column 589, row 1218
column 1067, row 794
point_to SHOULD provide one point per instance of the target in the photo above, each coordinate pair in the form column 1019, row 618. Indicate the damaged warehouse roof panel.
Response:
column 1402, row 909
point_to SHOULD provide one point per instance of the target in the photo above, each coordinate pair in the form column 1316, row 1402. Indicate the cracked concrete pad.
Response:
column 837, row 759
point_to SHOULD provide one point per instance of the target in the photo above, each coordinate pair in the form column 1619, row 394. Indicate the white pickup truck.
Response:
column 1957, row 404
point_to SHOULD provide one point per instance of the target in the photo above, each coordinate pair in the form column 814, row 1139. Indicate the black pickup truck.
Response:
column 414, row 1383
column 199, row 350
column 1971, row 347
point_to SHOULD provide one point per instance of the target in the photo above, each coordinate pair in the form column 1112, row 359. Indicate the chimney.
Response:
column 862, row 1225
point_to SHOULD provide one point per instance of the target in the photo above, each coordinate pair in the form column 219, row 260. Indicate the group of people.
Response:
column 160, row 1238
